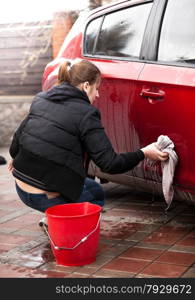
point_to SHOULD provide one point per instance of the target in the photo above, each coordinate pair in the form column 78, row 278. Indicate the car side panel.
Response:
column 116, row 97
column 172, row 115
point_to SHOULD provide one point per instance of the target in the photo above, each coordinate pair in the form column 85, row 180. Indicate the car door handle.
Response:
column 147, row 93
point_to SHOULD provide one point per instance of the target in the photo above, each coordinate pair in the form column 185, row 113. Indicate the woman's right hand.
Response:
column 152, row 152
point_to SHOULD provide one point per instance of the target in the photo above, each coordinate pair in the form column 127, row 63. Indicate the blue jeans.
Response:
column 92, row 192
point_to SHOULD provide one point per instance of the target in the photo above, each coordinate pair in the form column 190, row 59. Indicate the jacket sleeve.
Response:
column 100, row 150
column 14, row 147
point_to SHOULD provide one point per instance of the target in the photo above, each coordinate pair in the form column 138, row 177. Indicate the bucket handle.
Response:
column 75, row 246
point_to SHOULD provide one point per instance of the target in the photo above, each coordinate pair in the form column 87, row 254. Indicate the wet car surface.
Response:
column 145, row 52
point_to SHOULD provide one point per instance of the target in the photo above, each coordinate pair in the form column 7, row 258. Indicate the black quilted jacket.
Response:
column 51, row 143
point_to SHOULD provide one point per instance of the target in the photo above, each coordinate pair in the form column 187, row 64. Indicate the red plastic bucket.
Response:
column 74, row 231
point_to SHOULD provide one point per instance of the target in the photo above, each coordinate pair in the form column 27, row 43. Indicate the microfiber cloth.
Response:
column 165, row 144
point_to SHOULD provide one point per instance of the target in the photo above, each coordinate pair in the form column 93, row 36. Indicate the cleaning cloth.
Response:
column 165, row 144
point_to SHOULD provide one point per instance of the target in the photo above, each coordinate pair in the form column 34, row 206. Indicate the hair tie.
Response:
column 73, row 62
column 68, row 68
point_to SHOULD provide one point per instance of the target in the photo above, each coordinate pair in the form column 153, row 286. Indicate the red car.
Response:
column 146, row 53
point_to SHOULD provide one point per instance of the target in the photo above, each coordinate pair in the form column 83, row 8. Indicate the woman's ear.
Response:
column 86, row 86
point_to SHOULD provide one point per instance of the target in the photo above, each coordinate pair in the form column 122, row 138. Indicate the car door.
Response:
column 115, row 49
column 165, row 91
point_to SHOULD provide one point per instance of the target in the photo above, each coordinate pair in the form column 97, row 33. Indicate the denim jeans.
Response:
column 92, row 192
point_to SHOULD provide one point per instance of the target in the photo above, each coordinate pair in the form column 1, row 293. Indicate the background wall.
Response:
column 25, row 49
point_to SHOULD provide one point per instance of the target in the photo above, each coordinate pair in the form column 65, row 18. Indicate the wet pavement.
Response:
column 137, row 239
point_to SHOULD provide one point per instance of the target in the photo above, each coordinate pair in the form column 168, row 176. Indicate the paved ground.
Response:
column 137, row 238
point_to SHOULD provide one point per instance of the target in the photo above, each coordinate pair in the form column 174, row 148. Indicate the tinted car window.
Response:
column 177, row 40
column 91, row 34
column 122, row 32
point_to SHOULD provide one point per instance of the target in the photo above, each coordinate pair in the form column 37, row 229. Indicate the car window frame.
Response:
column 103, row 15
column 151, row 39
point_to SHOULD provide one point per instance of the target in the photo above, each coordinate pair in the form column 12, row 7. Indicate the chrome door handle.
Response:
column 147, row 93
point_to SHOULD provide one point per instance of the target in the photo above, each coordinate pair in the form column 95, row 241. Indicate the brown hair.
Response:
column 78, row 72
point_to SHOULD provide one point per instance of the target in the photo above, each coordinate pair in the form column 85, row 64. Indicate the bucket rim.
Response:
column 98, row 210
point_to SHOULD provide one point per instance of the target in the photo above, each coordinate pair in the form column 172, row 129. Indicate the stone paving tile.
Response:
column 25, row 263
column 8, row 199
column 142, row 217
column 3, row 212
column 187, row 241
column 185, row 249
column 52, row 266
column 7, row 247
column 76, row 275
column 152, row 246
column 149, row 227
column 190, row 273
column 32, row 227
column 86, row 271
column 19, row 222
column 24, row 232
column 12, row 215
column 118, row 249
column 101, row 260
column 37, row 273
column 126, row 265
column 172, row 229
column 13, row 239
column 42, row 254
column 191, row 233
column 11, row 271
column 103, row 248
column 163, row 238
column 17, row 251
column 112, row 274
column 137, row 238
column 118, row 230
column 141, row 253
column 178, row 258
column 9, row 227
column 189, row 210
column 184, row 220
column 12, row 205
column 163, row 270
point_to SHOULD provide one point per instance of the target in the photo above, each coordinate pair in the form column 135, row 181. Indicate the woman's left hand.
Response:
column 10, row 165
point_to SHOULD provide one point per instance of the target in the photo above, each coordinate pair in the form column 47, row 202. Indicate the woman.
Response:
column 50, row 146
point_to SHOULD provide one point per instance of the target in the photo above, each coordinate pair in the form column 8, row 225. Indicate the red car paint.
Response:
column 139, row 100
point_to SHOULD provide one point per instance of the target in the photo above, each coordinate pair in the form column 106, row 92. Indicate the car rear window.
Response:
column 91, row 34
column 121, row 32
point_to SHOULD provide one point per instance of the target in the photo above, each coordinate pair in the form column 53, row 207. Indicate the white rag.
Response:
column 165, row 144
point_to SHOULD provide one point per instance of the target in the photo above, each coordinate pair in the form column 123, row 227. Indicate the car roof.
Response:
column 118, row 4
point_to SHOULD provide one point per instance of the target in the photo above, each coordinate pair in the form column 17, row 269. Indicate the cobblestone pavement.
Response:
column 137, row 239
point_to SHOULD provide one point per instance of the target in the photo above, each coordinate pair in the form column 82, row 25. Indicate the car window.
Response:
column 91, row 34
column 121, row 33
column 177, row 39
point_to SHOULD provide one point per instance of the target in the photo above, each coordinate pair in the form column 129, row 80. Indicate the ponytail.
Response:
column 63, row 74
column 77, row 72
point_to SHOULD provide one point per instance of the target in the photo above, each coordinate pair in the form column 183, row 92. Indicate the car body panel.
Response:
column 115, row 96
column 173, row 115
column 140, row 99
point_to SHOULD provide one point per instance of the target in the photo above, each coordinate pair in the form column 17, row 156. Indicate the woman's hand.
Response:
column 152, row 152
column 10, row 165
